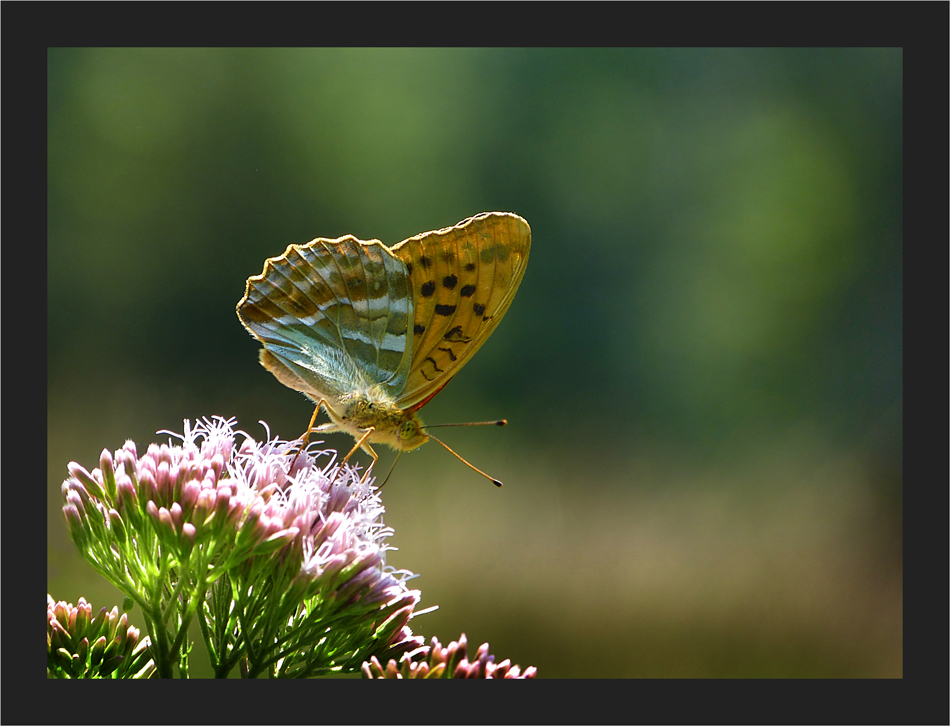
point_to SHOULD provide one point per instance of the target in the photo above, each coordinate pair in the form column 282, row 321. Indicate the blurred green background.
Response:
column 702, row 369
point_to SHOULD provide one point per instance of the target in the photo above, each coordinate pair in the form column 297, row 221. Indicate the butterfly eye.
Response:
column 408, row 430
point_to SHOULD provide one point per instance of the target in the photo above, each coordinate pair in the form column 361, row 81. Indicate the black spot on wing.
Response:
column 436, row 371
column 456, row 335
column 450, row 352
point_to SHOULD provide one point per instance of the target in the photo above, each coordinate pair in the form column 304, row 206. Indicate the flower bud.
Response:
column 108, row 473
column 86, row 479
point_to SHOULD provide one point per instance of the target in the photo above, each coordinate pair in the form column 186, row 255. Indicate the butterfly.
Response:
column 372, row 333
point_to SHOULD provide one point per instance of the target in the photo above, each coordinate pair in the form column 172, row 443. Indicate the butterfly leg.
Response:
column 362, row 444
column 306, row 436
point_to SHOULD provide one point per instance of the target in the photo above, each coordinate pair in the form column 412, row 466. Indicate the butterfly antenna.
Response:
column 473, row 468
column 499, row 422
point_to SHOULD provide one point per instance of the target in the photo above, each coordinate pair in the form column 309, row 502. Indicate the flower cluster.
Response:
column 436, row 661
column 79, row 645
column 281, row 561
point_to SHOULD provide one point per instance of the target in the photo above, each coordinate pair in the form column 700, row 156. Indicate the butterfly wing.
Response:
column 463, row 279
column 333, row 316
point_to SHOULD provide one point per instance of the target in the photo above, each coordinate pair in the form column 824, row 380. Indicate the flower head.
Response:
column 284, row 561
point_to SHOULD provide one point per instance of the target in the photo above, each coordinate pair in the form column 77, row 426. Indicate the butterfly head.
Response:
column 410, row 433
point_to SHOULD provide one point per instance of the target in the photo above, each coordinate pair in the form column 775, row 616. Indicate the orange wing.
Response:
column 463, row 279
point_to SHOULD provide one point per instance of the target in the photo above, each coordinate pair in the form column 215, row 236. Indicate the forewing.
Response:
column 333, row 316
column 463, row 279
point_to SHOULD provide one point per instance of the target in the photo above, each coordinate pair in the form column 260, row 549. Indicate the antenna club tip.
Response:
column 497, row 483
column 502, row 422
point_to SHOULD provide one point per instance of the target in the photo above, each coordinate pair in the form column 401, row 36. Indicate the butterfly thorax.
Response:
column 361, row 409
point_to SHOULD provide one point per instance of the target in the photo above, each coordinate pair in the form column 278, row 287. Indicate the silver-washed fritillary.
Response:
column 371, row 333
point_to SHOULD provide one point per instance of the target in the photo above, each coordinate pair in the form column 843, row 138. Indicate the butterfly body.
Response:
column 361, row 410
column 371, row 333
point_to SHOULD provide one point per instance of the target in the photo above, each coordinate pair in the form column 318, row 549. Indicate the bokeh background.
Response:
column 702, row 369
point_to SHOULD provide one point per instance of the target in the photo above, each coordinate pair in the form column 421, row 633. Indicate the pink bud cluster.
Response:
column 182, row 493
column 437, row 661
column 80, row 645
